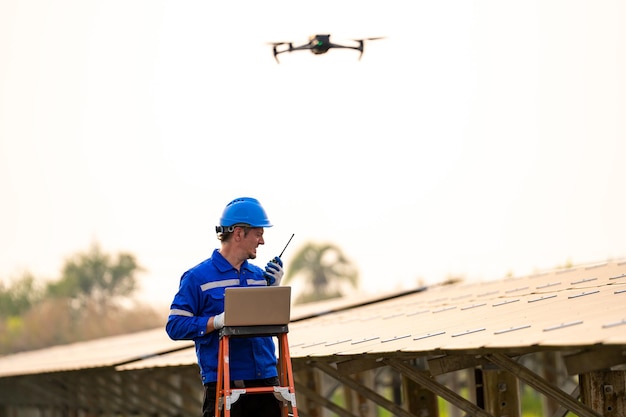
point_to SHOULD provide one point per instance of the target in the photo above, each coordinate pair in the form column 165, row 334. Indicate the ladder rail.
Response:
column 285, row 391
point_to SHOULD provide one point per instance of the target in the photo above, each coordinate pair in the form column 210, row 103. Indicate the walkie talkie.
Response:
column 280, row 256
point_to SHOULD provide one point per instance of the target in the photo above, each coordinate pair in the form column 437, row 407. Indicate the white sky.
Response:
column 477, row 139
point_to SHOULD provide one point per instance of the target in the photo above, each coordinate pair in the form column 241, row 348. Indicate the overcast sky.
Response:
column 477, row 139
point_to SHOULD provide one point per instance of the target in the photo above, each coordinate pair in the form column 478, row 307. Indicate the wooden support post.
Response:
column 551, row 375
column 479, row 387
column 442, row 391
column 501, row 393
column 420, row 401
column 357, row 403
column 604, row 392
column 309, row 381
column 541, row 385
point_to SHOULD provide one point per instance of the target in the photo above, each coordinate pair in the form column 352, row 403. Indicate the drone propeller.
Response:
column 276, row 53
column 368, row 39
column 362, row 41
column 275, row 46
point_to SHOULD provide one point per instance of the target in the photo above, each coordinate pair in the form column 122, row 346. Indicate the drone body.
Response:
column 318, row 44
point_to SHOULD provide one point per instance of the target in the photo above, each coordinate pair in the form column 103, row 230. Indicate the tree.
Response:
column 324, row 270
column 96, row 277
column 18, row 297
column 85, row 303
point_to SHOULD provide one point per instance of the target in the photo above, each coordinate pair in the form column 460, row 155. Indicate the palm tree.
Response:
column 324, row 271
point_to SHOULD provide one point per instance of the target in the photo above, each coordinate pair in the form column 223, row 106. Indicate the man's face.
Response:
column 252, row 240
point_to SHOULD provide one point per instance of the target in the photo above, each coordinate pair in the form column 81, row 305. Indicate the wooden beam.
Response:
column 541, row 385
column 451, row 363
column 594, row 360
column 562, row 411
column 441, row 390
column 354, row 366
column 395, row 409
column 316, row 398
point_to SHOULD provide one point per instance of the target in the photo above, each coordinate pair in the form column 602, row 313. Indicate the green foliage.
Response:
column 531, row 401
column 18, row 297
column 97, row 277
column 324, row 271
column 84, row 303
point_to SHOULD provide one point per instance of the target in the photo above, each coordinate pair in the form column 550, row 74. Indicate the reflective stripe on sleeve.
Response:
column 217, row 284
column 177, row 312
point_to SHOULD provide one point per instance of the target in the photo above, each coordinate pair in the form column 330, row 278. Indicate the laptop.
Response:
column 257, row 306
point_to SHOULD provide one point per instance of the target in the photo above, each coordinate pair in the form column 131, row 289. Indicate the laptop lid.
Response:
column 256, row 306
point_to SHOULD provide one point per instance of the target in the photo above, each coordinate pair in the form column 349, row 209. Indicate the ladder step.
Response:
column 246, row 331
column 285, row 392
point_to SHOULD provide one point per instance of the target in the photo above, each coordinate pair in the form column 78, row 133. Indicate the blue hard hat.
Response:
column 244, row 211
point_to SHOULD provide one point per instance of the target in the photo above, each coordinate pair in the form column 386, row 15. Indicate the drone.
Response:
column 318, row 44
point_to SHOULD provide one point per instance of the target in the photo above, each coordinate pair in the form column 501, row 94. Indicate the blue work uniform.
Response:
column 201, row 296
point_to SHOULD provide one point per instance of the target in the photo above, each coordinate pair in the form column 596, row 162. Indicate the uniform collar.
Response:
column 223, row 265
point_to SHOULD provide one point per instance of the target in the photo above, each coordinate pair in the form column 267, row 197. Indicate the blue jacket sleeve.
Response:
column 185, row 321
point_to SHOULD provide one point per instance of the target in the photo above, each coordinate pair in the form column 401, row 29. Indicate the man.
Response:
column 197, row 312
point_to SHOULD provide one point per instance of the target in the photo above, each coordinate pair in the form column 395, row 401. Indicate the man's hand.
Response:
column 274, row 272
column 218, row 321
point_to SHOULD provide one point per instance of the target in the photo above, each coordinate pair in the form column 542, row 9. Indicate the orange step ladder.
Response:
column 226, row 396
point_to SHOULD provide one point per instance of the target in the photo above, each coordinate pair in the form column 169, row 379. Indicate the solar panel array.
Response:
column 580, row 306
